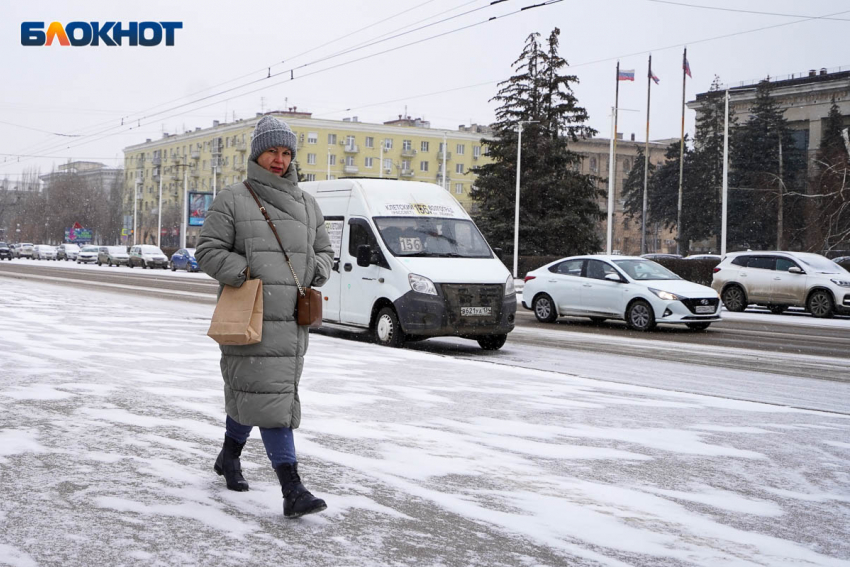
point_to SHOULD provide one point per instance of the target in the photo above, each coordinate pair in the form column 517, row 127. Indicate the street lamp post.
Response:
column 135, row 207
column 159, row 210
column 725, row 205
column 516, row 204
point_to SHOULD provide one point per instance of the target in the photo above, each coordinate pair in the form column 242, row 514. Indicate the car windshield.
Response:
column 89, row 249
column 150, row 250
column 433, row 237
column 117, row 250
column 821, row 264
column 72, row 248
column 190, row 252
column 645, row 270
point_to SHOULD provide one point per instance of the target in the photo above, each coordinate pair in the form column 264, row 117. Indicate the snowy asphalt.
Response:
column 113, row 413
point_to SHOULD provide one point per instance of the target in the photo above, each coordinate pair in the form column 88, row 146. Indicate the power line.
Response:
column 38, row 130
column 741, row 11
column 349, row 62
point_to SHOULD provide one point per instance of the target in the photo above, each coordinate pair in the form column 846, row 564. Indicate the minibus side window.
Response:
column 361, row 233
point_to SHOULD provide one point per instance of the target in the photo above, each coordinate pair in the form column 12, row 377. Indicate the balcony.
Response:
column 352, row 149
column 441, row 181
column 176, row 158
column 240, row 146
column 440, row 156
column 407, row 173
column 196, row 154
column 408, row 153
column 350, row 169
column 156, row 160
column 241, row 167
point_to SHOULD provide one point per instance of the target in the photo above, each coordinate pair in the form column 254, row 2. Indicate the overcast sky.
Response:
column 53, row 90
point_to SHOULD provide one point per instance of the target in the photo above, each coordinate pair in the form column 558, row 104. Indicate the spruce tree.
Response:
column 559, row 211
column 828, row 211
column 758, row 185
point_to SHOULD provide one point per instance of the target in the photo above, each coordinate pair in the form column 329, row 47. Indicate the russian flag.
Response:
column 626, row 75
column 653, row 77
column 687, row 68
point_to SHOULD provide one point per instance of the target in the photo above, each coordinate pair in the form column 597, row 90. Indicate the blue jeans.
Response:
column 279, row 441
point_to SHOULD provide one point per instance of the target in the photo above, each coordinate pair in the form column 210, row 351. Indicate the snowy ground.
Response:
column 113, row 413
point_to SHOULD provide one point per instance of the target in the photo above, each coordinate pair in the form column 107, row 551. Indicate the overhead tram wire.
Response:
column 326, row 58
column 742, row 11
column 129, row 118
column 396, row 48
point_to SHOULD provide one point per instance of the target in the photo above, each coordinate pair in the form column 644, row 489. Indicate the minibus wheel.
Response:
column 387, row 329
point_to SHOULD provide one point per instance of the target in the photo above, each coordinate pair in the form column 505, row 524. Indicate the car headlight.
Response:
column 510, row 290
column 842, row 283
column 421, row 284
column 666, row 295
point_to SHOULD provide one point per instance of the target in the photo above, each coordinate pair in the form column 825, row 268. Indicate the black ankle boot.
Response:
column 297, row 500
column 228, row 464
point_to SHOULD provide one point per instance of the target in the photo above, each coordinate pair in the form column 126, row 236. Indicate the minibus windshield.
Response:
column 432, row 237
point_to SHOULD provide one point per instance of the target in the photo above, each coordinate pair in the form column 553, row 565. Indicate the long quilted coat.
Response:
column 261, row 380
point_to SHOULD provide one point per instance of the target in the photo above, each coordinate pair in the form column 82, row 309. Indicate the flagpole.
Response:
column 612, row 162
column 681, row 156
column 646, row 161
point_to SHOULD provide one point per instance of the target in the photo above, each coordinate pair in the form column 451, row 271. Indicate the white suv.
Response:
column 779, row 280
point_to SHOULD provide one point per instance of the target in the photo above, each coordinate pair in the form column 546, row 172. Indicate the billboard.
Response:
column 78, row 234
column 199, row 204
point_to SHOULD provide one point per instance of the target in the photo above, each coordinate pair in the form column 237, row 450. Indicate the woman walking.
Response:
column 261, row 380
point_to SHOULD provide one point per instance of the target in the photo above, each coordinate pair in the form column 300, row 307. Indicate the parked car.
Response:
column 88, row 254
column 67, row 252
column 841, row 260
column 640, row 291
column 184, row 259
column 5, row 251
column 662, row 256
column 704, row 257
column 112, row 255
column 23, row 250
column 43, row 252
column 779, row 280
column 147, row 256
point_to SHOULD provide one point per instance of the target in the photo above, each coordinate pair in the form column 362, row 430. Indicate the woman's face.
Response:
column 276, row 159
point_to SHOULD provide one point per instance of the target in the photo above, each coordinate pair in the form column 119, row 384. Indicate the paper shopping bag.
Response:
column 238, row 315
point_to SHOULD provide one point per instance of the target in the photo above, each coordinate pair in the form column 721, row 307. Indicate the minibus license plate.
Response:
column 705, row 309
column 475, row 311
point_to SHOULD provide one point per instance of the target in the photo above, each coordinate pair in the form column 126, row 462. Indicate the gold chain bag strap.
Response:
column 308, row 312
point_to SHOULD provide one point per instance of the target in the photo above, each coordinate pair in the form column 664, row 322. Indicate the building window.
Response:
column 459, row 168
column 476, row 151
column 388, row 143
column 423, row 166
column 310, row 177
column 349, row 160
column 331, row 159
column 313, row 138
column 405, row 164
column 332, row 138
column 406, row 145
column 369, row 162
column 388, row 164
column 370, row 142
column 311, row 159
column 627, row 165
column 460, row 149
column 331, row 177
column 594, row 165
column 349, row 141
column 458, row 188
column 423, row 146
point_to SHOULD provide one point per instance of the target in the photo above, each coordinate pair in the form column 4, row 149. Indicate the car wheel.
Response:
column 387, row 329
column 544, row 308
column 698, row 326
column 145, row 265
column 492, row 342
column 777, row 309
column 99, row 263
column 598, row 320
column 639, row 316
column 733, row 298
column 820, row 304
column 173, row 267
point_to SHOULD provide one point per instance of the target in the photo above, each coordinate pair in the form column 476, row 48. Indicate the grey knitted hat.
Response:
column 271, row 132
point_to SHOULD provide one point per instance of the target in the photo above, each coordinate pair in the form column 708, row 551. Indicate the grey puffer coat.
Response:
column 261, row 380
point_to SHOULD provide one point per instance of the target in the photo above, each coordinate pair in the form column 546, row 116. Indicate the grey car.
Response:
column 779, row 280
column 110, row 255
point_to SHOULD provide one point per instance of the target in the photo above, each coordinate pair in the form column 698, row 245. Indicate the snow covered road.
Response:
column 113, row 415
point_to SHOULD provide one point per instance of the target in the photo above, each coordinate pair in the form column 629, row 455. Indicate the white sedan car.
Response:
column 642, row 292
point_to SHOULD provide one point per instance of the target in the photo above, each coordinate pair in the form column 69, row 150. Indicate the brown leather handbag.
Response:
column 308, row 310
